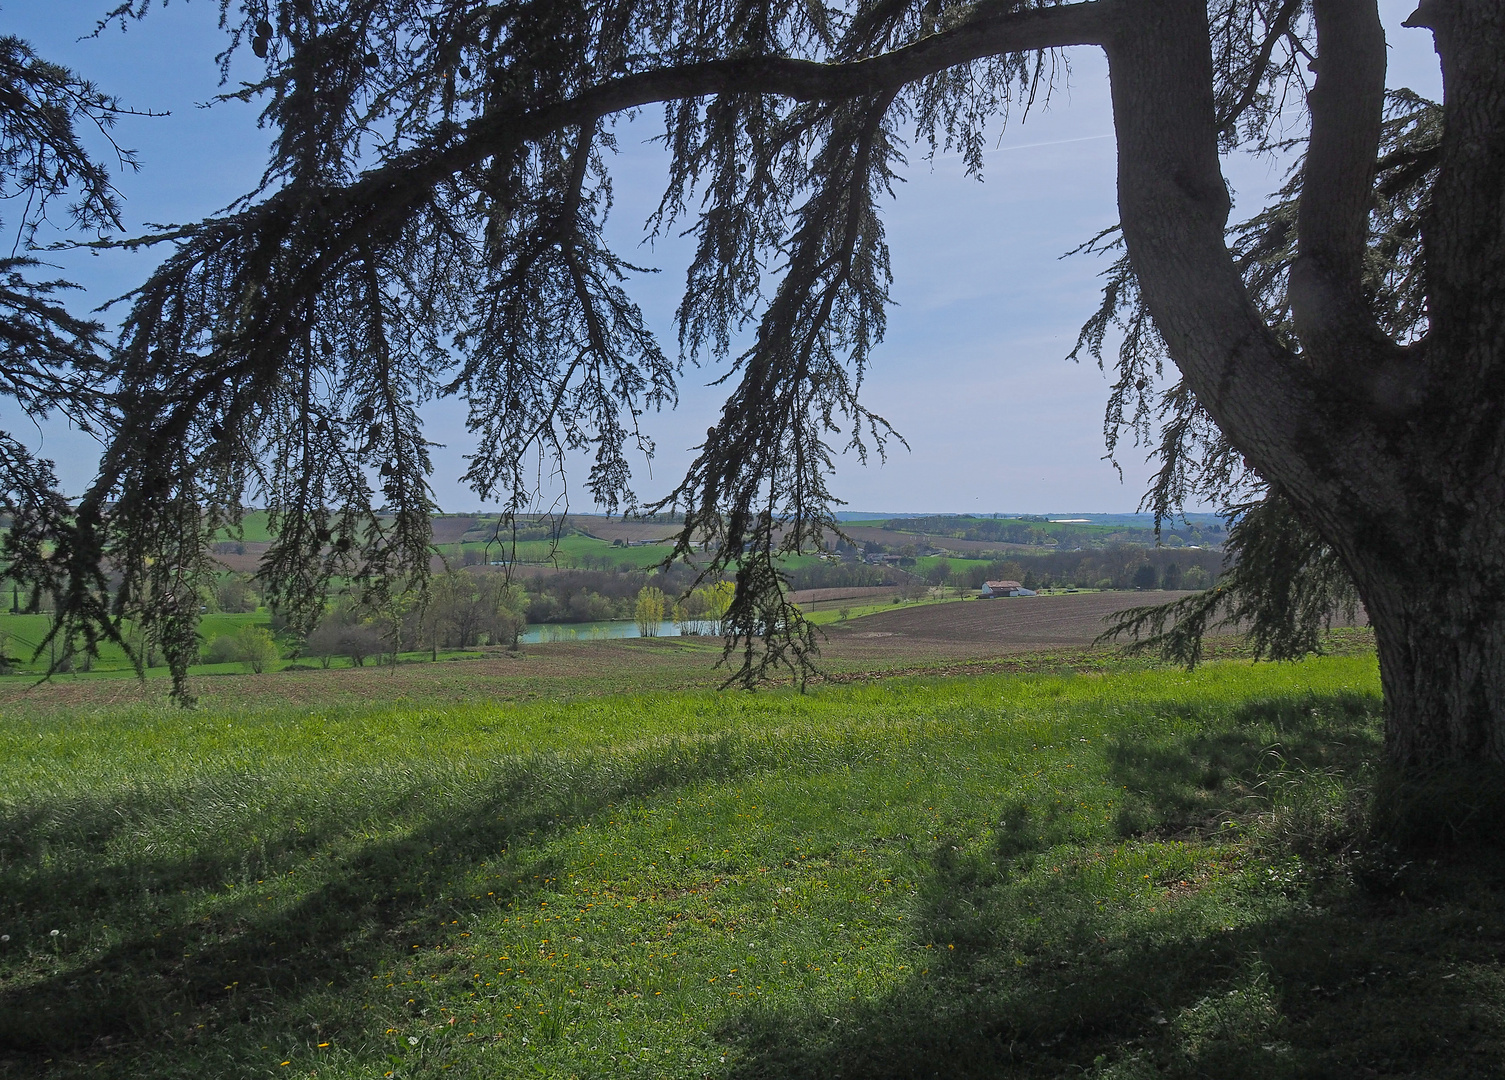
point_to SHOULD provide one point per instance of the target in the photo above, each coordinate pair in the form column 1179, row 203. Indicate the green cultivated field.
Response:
column 1118, row 876
column 253, row 527
column 20, row 635
column 575, row 549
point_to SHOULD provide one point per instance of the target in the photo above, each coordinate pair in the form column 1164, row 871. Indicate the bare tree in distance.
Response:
column 441, row 174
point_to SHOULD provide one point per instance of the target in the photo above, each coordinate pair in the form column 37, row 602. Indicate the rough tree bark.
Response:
column 1396, row 454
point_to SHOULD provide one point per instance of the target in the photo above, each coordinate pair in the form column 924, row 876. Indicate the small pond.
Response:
column 599, row 631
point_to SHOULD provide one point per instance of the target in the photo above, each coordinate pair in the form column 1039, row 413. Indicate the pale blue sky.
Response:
column 972, row 371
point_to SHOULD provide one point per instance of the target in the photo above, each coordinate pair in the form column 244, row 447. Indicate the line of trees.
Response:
column 1117, row 567
column 1038, row 531
column 462, row 610
column 842, row 575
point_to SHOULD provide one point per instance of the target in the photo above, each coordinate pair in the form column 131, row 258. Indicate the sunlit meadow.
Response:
column 1005, row 875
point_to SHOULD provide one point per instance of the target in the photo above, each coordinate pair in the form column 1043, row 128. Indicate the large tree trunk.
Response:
column 1442, row 664
column 1395, row 454
column 1433, row 579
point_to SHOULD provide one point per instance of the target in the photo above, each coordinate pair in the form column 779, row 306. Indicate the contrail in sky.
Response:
column 1058, row 142
column 1031, row 146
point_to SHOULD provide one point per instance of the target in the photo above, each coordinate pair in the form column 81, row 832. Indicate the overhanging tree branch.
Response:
column 1332, row 225
column 1277, row 30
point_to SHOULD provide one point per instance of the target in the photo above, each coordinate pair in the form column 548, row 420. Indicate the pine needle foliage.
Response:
column 1283, row 588
column 51, row 361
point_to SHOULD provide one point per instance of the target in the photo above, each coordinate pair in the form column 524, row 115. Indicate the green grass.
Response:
column 574, row 550
column 1117, row 876
column 22, row 634
column 253, row 527
column 959, row 564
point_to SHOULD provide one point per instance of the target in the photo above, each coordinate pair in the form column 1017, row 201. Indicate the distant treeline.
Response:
column 843, row 575
column 989, row 530
column 1116, row 567
column 569, row 596
column 1039, row 532
column 1119, row 566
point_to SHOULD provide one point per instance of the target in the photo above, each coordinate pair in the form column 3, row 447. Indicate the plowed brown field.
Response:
column 822, row 599
column 984, row 627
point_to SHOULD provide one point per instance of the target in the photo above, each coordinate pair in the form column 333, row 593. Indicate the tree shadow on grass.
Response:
column 1312, row 970
column 372, row 908
column 1362, row 991
column 1265, row 752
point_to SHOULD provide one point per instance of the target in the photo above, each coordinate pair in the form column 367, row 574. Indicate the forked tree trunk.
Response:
column 1396, row 455
column 1433, row 575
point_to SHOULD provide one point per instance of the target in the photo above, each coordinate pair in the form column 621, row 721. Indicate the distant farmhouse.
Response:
column 991, row 589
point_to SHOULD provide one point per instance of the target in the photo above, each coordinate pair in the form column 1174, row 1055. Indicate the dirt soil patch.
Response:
column 449, row 528
column 985, row 627
column 245, row 561
column 823, row 599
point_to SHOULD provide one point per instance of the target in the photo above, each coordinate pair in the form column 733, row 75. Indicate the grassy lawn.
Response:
column 1123, row 875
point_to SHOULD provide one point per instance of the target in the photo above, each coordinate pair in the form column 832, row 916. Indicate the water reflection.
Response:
column 600, row 631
